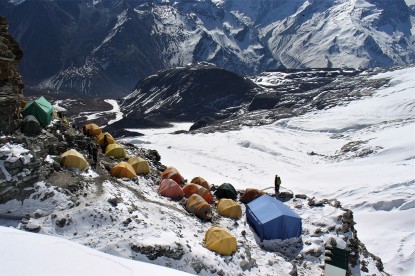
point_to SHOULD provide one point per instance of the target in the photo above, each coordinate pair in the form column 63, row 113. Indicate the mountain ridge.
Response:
column 105, row 47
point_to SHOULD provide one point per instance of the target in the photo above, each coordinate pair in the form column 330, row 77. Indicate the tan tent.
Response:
column 169, row 188
column 73, row 159
column 198, row 206
column 100, row 138
column 123, row 169
column 115, row 150
column 221, row 241
column 173, row 173
column 200, row 181
column 190, row 189
column 139, row 164
column 92, row 129
column 228, row 208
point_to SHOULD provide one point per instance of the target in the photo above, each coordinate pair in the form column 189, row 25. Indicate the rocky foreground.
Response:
column 128, row 218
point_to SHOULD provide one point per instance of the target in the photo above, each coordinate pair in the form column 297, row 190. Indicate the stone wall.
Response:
column 11, row 84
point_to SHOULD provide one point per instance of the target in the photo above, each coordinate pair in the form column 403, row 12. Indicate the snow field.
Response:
column 376, row 179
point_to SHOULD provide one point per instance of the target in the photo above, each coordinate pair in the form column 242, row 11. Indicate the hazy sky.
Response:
column 410, row 2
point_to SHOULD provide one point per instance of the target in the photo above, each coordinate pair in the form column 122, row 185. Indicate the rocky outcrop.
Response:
column 11, row 85
column 18, row 174
column 189, row 93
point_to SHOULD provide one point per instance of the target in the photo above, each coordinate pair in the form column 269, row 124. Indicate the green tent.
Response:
column 226, row 190
column 41, row 109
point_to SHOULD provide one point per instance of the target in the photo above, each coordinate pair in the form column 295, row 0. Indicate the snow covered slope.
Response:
column 105, row 47
column 361, row 153
column 57, row 256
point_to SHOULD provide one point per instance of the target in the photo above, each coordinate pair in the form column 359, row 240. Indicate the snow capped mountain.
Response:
column 344, row 34
column 105, row 47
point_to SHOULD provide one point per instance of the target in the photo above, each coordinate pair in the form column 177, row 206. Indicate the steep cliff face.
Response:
column 11, row 84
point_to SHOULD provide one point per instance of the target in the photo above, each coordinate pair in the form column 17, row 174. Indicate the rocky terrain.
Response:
column 186, row 94
column 11, row 84
column 129, row 218
column 290, row 94
column 189, row 93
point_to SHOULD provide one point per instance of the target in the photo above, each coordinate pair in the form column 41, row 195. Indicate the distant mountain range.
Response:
column 104, row 47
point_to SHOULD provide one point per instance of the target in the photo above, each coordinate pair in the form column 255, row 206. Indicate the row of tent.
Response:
column 269, row 217
column 112, row 148
column 129, row 169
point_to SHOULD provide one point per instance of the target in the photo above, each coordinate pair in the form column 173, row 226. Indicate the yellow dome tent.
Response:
column 139, row 164
column 100, row 138
column 123, row 169
column 228, row 208
column 116, row 151
column 93, row 129
column 73, row 159
column 221, row 241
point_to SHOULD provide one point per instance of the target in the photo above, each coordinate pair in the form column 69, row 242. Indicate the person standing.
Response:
column 277, row 185
column 104, row 144
column 95, row 156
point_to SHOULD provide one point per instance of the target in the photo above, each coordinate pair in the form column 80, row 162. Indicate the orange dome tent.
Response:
column 172, row 173
column 198, row 206
column 191, row 189
column 200, row 181
column 169, row 188
column 249, row 195
column 221, row 241
column 123, row 169
column 100, row 138
column 93, row 129
column 228, row 208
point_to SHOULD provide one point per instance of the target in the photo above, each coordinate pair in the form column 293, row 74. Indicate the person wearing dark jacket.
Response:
column 104, row 144
column 277, row 185
column 95, row 155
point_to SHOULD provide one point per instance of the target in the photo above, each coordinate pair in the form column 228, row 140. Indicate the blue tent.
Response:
column 271, row 219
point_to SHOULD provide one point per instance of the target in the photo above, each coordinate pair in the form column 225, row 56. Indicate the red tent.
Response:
column 170, row 188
